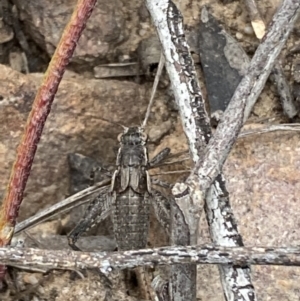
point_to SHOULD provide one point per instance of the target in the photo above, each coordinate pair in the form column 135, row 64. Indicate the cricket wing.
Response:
column 125, row 176
column 135, row 178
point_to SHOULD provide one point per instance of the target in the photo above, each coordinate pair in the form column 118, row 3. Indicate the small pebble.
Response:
column 124, row 58
column 41, row 290
column 239, row 36
column 248, row 30
column 142, row 32
column 30, row 279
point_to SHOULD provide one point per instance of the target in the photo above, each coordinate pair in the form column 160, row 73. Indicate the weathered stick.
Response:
column 184, row 228
column 196, row 125
column 203, row 254
column 36, row 120
column 236, row 280
column 218, row 208
column 220, row 145
column 278, row 75
column 248, row 90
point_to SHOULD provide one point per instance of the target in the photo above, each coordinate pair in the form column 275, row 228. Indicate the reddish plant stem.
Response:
column 36, row 120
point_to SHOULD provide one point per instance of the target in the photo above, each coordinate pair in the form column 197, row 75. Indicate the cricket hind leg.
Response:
column 96, row 212
column 162, row 210
column 162, row 207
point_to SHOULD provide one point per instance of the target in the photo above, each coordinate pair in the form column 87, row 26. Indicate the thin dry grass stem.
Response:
column 289, row 127
column 155, row 84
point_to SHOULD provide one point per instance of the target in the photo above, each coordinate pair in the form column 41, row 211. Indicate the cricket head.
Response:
column 133, row 136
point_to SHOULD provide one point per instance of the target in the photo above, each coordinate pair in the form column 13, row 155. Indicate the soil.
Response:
column 262, row 171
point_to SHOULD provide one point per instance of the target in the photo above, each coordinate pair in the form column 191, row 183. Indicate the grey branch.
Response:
column 223, row 228
column 179, row 65
column 204, row 254
column 248, row 90
column 218, row 209
column 278, row 75
column 168, row 22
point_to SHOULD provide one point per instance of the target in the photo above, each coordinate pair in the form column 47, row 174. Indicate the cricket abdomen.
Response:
column 131, row 219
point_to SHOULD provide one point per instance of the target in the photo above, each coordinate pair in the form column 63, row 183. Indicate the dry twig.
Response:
column 281, row 82
column 196, row 125
column 107, row 261
column 248, row 90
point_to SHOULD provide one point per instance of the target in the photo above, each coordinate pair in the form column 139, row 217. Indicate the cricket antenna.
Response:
column 155, row 84
column 112, row 122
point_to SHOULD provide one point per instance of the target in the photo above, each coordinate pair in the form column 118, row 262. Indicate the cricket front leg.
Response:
column 96, row 212
column 162, row 209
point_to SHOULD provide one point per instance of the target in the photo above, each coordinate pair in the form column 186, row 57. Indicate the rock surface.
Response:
column 262, row 171
column 74, row 125
column 45, row 22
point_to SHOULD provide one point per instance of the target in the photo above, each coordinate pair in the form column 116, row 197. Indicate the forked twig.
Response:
column 248, row 91
column 171, row 35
